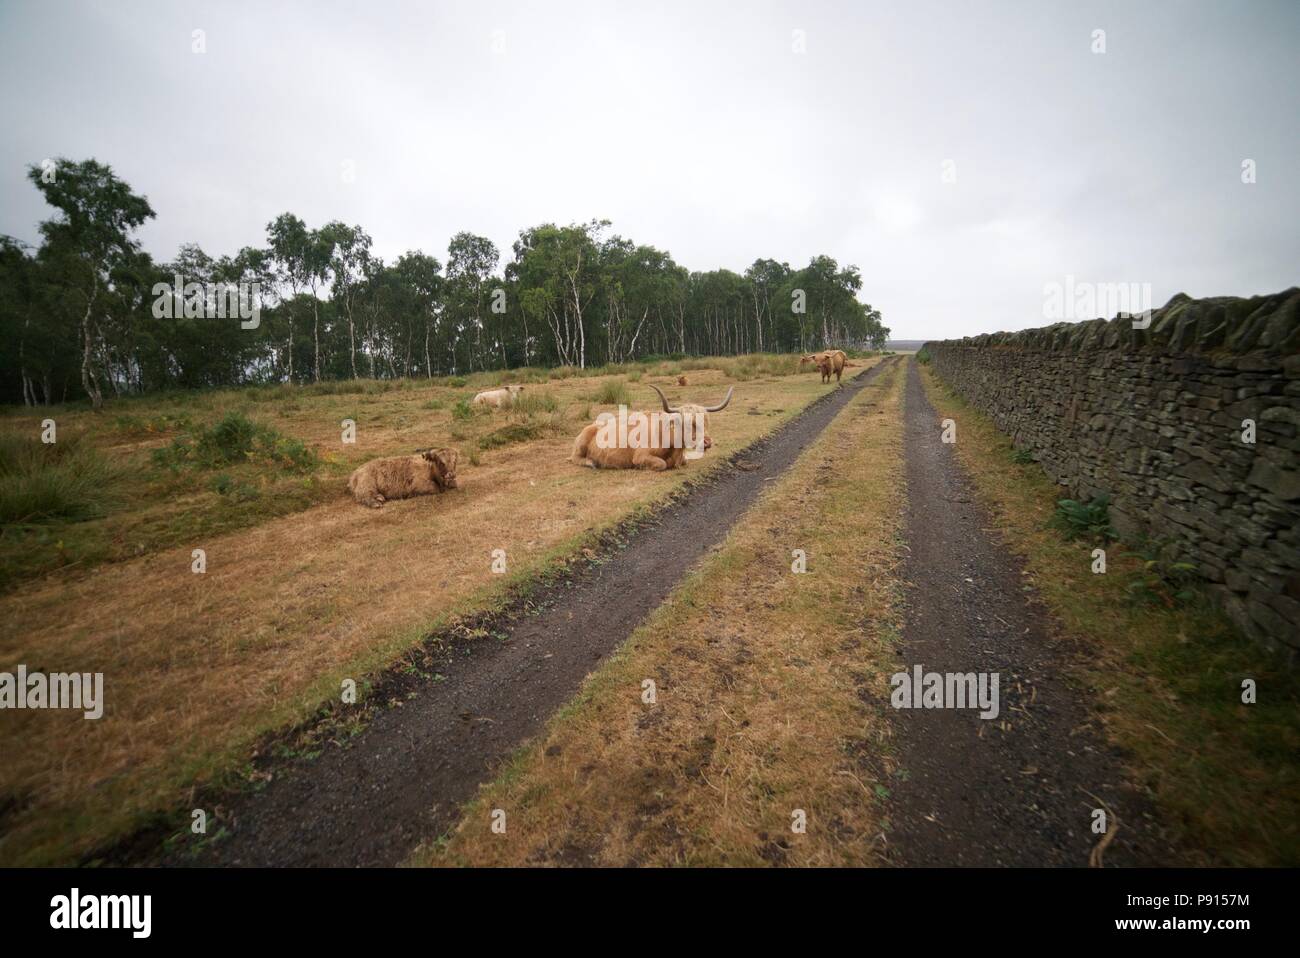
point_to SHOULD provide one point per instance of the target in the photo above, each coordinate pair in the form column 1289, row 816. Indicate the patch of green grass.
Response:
column 531, row 428
column 41, row 482
column 236, row 439
column 463, row 411
column 613, row 392
column 534, row 403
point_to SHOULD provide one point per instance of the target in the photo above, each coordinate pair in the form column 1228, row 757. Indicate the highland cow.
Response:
column 666, row 442
column 400, row 477
column 505, row 396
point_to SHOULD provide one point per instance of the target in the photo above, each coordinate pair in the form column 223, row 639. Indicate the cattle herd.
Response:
column 638, row 440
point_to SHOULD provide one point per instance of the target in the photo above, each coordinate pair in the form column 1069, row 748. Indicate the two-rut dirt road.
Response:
column 1021, row 789
column 404, row 777
column 1016, row 791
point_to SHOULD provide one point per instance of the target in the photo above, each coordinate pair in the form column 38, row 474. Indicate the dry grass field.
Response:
column 302, row 587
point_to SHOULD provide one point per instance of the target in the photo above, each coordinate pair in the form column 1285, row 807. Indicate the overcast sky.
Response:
column 701, row 129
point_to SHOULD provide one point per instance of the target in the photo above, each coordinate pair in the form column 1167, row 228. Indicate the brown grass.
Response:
column 1169, row 681
column 198, row 666
column 760, row 677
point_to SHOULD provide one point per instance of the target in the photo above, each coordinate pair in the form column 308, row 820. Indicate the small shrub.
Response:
column 1163, row 578
column 434, row 404
column 462, row 411
column 612, row 393
column 923, row 356
column 1023, row 457
column 1090, row 519
column 235, row 439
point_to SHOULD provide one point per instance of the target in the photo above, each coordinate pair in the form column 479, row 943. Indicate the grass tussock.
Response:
column 528, row 429
column 68, row 480
column 613, row 392
column 713, row 770
column 1169, row 667
column 530, row 403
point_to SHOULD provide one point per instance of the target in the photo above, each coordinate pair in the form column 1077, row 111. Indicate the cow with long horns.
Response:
column 647, row 440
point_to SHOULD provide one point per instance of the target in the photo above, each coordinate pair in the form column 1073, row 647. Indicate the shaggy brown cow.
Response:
column 670, row 453
column 400, row 477
column 828, row 361
column 681, row 380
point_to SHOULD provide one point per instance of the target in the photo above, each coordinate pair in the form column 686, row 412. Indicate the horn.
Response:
column 723, row 405
column 662, row 397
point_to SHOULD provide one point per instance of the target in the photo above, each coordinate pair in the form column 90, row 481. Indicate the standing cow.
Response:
column 827, row 362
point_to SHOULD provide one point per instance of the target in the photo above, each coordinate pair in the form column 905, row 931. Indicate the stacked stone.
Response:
column 1156, row 418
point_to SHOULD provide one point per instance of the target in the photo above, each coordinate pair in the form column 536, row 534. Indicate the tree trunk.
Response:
column 88, row 382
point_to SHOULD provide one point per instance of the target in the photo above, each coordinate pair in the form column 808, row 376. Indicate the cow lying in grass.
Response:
column 400, row 477
column 496, row 398
column 667, row 439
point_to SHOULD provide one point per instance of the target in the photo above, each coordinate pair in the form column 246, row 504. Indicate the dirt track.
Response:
column 404, row 777
column 976, row 793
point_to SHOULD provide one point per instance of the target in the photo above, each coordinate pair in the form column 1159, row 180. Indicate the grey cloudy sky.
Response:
column 698, row 128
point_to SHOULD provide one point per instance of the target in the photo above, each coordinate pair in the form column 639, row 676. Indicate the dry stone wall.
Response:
column 1159, row 419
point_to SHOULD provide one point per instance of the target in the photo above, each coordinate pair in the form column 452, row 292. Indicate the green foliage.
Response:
column 923, row 356
column 1163, row 578
column 65, row 480
column 1080, row 519
column 236, row 439
column 237, row 490
column 1023, row 457
column 463, row 411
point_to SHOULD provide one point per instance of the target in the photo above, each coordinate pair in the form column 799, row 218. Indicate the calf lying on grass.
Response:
column 400, row 477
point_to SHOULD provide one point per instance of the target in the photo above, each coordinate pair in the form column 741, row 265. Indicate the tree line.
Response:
column 89, row 314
